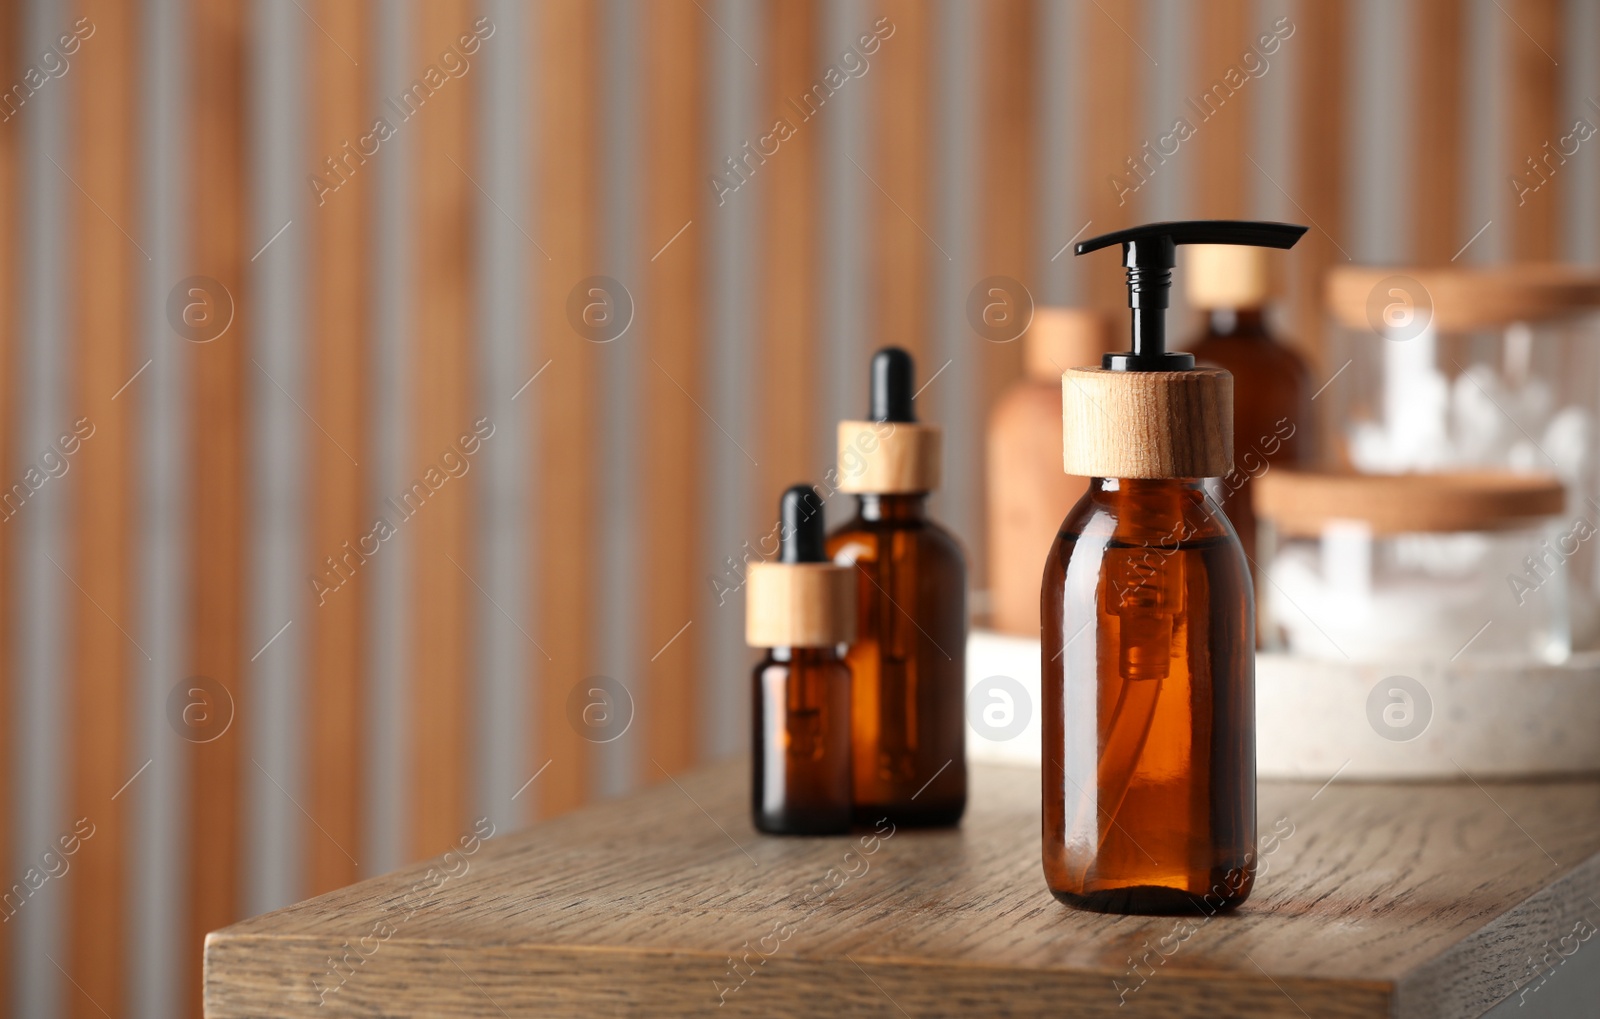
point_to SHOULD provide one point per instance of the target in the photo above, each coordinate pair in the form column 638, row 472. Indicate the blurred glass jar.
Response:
column 1437, row 567
column 1451, row 369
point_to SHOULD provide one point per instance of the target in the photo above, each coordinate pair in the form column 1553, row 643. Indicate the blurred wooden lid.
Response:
column 1227, row 276
column 1120, row 424
column 1062, row 338
column 886, row 457
column 799, row 605
column 1301, row 503
column 1460, row 299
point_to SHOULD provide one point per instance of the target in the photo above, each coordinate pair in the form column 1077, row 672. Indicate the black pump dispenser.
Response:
column 892, row 374
column 1149, row 253
column 801, row 536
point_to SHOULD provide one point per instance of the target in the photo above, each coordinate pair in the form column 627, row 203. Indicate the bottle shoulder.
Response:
column 1098, row 533
column 801, row 661
column 860, row 539
column 1103, row 518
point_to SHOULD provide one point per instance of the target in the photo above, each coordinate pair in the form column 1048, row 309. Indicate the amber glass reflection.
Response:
column 1149, row 704
column 909, row 662
column 801, row 745
column 1271, row 406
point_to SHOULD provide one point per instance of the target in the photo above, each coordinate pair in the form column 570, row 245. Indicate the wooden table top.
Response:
column 1412, row 900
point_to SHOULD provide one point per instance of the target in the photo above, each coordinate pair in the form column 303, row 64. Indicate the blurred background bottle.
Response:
column 1028, row 495
column 1272, row 425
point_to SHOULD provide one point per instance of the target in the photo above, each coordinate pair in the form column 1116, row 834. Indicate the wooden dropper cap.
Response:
column 1150, row 413
column 890, row 453
column 802, row 600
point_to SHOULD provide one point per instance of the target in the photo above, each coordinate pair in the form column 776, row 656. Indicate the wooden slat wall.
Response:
column 1112, row 66
column 565, row 490
column 105, row 350
column 1436, row 129
column 1319, row 182
column 219, row 464
column 672, row 322
column 11, row 256
column 338, row 299
column 787, row 185
column 441, row 351
column 1224, row 180
column 901, row 146
column 1533, row 122
column 904, row 127
column 1005, row 197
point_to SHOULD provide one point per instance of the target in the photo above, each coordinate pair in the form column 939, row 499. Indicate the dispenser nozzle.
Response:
column 801, row 534
column 1149, row 252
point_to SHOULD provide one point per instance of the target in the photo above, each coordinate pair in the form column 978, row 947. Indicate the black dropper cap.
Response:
column 1149, row 252
column 892, row 375
column 800, row 538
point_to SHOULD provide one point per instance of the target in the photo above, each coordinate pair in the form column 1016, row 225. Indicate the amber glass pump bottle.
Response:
column 909, row 658
column 1148, row 611
column 801, row 609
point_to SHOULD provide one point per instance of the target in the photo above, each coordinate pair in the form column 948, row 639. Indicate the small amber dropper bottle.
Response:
column 801, row 609
column 910, row 657
column 1148, row 642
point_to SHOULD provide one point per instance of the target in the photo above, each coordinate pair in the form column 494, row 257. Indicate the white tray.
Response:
column 1314, row 719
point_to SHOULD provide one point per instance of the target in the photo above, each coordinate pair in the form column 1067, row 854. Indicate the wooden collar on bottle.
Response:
column 799, row 605
column 888, row 457
column 1120, row 424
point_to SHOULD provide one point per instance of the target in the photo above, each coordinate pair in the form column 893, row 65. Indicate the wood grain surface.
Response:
column 1407, row 900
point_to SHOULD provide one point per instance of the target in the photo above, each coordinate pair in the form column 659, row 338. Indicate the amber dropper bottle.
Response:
column 909, row 658
column 1148, row 640
column 801, row 609
column 1272, row 423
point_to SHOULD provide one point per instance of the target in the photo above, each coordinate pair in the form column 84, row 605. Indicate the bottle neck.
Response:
column 898, row 506
column 1135, row 487
column 1158, row 510
column 803, row 655
column 1241, row 322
